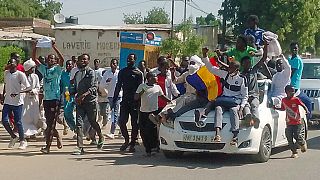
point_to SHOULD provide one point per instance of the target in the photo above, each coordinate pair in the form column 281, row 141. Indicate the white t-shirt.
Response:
column 149, row 99
column 111, row 85
column 14, row 83
column 99, row 74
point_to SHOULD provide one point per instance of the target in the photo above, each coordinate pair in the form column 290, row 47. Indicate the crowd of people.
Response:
column 43, row 86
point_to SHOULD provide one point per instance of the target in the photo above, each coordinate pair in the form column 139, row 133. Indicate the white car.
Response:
column 184, row 135
column 310, row 85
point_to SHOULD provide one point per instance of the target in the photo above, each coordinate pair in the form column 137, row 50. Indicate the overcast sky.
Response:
column 110, row 12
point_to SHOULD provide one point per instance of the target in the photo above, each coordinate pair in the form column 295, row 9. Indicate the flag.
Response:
column 205, row 82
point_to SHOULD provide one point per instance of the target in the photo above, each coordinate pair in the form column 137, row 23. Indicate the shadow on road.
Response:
column 188, row 160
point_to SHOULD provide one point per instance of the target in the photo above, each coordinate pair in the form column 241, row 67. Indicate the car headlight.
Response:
column 168, row 123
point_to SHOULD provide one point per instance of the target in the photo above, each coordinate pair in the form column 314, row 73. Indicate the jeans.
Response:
column 51, row 110
column 103, row 111
column 252, row 107
column 88, row 110
column 126, row 109
column 197, row 103
column 114, row 113
column 307, row 101
column 234, row 118
column 294, row 131
column 68, row 108
column 17, row 112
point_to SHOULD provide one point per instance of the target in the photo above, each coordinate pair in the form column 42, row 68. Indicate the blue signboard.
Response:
column 134, row 38
column 155, row 42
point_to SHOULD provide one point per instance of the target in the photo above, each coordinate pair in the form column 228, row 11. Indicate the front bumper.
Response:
column 175, row 140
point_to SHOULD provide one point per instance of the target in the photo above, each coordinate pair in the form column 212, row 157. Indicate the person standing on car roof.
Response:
column 129, row 79
column 296, row 73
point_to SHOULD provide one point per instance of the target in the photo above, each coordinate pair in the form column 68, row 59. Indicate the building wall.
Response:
column 101, row 44
column 210, row 34
column 26, row 46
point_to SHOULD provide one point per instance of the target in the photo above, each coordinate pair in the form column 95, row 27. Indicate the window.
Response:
column 311, row 71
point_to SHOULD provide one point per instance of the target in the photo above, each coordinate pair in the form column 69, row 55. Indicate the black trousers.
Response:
column 148, row 131
column 51, row 111
column 127, row 108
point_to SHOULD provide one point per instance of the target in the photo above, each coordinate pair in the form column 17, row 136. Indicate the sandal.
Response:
column 217, row 138
column 234, row 141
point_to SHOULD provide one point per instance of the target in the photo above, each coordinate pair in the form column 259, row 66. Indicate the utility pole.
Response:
column 172, row 16
column 185, row 10
column 224, row 24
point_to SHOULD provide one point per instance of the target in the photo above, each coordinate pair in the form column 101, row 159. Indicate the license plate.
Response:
column 197, row 138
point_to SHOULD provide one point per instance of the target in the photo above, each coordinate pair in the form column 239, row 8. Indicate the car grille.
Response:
column 191, row 126
column 312, row 93
column 193, row 145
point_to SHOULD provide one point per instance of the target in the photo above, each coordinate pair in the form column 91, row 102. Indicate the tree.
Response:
column 290, row 20
column 154, row 16
column 133, row 18
column 210, row 19
column 157, row 16
column 178, row 48
column 44, row 9
column 5, row 53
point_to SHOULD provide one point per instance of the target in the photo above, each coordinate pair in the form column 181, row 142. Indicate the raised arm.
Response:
column 61, row 61
column 214, row 70
column 34, row 53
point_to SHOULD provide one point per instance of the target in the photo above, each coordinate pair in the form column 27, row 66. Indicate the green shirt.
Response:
column 238, row 55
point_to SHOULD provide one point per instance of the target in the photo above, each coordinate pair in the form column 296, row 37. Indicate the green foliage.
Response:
column 154, row 16
column 157, row 16
column 291, row 20
column 44, row 9
column 178, row 48
column 5, row 56
column 210, row 19
column 133, row 18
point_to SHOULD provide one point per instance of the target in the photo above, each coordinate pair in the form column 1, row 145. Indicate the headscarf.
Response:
column 29, row 64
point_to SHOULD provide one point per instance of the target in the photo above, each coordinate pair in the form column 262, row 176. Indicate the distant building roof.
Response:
column 133, row 27
column 5, row 35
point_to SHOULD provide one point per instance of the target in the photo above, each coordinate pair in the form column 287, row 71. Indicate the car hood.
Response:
column 189, row 116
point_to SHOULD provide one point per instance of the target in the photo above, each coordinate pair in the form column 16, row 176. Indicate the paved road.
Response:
column 111, row 164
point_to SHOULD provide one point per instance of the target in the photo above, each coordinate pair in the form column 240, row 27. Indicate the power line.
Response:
column 108, row 9
column 189, row 4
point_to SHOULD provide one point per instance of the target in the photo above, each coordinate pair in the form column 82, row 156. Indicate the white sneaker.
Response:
column 23, row 145
column 110, row 136
column 13, row 141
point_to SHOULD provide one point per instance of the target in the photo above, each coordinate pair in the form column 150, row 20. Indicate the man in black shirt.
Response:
column 129, row 79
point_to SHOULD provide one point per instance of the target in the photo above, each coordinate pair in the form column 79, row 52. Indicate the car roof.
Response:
column 316, row 60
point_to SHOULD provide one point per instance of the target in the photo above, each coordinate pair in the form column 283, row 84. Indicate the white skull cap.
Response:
column 29, row 64
column 197, row 60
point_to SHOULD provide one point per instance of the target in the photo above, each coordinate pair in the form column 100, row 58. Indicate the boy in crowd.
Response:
column 296, row 73
column 51, row 84
column 251, row 73
column 85, row 88
column 233, row 99
column 291, row 104
column 129, row 79
column 280, row 80
column 109, row 80
column 12, row 101
column 149, row 93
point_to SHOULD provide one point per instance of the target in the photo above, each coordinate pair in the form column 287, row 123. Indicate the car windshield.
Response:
column 311, row 71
